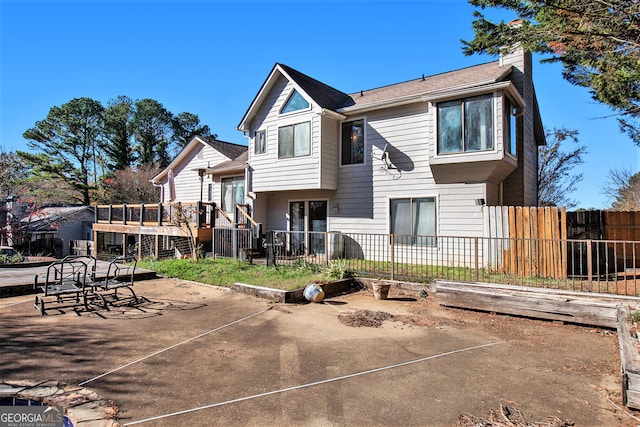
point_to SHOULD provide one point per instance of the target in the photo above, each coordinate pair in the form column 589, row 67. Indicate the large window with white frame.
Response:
column 232, row 192
column 465, row 125
column 353, row 142
column 413, row 221
column 294, row 140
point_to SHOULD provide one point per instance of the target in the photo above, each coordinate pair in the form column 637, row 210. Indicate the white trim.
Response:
column 289, row 96
column 294, row 123
column 253, row 142
column 306, row 230
column 436, row 198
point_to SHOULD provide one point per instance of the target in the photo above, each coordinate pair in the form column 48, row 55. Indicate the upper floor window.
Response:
column 353, row 142
column 413, row 221
column 295, row 103
column 260, row 142
column 294, row 140
column 509, row 126
column 465, row 125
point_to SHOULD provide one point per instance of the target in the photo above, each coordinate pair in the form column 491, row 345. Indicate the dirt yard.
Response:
column 197, row 355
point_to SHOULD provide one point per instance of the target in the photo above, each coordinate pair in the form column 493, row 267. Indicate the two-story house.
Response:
column 417, row 158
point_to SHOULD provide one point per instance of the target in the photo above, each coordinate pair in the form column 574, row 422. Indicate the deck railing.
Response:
column 161, row 214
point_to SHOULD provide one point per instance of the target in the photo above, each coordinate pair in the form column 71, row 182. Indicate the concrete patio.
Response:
column 197, row 355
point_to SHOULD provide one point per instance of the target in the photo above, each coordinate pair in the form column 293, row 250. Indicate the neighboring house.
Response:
column 415, row 158
column 51, row 229
column 206, row 170
column 207, row 178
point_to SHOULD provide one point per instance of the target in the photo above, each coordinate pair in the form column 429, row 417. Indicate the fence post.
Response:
column 326, row 247
column 393, row 258
column 110, row 213
column 160, row 213
column 589, row 265
column 199, row 214
column 124, row 214
column 141, row 213
column 475, row 248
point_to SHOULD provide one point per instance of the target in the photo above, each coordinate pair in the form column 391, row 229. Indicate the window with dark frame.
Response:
column 353, row 142
column 413, row 221
column 260, row 142
column 465, row 125
column 294, row 140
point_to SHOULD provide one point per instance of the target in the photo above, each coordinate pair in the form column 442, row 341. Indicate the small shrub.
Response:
column 635, row 316
column 336, row 270
column 11, row 259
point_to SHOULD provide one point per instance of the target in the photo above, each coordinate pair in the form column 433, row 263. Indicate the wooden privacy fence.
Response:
column 527, row 241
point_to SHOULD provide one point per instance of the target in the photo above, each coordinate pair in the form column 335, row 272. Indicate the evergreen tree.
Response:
column 596, row 41
column 118, row 132
column 64, row 145
column 152, row 129
column 186, row 126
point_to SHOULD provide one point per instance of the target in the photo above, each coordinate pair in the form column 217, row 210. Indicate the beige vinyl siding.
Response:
column 297, row 173
column 187, row 181
column 364, row 191
column 329, row 145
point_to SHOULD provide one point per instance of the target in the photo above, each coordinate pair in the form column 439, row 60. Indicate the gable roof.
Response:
column 227, row 149
column 324, row 95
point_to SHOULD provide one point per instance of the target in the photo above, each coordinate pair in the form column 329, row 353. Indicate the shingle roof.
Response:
column 229, row 149
column 489, row 72
column 236, row 165
column 324, row 95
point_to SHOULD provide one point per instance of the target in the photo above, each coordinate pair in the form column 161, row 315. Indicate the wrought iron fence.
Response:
column 604, row 266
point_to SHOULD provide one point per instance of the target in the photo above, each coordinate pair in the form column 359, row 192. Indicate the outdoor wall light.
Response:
column 480, row 202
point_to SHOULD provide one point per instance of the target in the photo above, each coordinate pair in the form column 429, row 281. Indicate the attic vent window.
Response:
column 295, row 103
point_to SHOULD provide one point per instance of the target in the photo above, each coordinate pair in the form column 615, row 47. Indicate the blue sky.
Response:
column 210, row 58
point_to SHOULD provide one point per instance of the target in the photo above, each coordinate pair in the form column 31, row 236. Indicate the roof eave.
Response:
column 243, row 126
column 181, row 155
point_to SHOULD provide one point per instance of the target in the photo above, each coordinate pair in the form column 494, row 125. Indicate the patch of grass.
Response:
column 11, row 259
column 226, row 272
column 635, row 316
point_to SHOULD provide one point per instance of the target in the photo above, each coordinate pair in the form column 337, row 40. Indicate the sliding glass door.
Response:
column 308, row 223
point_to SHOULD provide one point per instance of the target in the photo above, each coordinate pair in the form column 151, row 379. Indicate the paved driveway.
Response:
column 193, row 355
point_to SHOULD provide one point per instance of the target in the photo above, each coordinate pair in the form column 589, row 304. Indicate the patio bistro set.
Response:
column 75, row 277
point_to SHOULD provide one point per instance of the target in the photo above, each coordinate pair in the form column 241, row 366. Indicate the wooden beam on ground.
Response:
column 549, row 304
